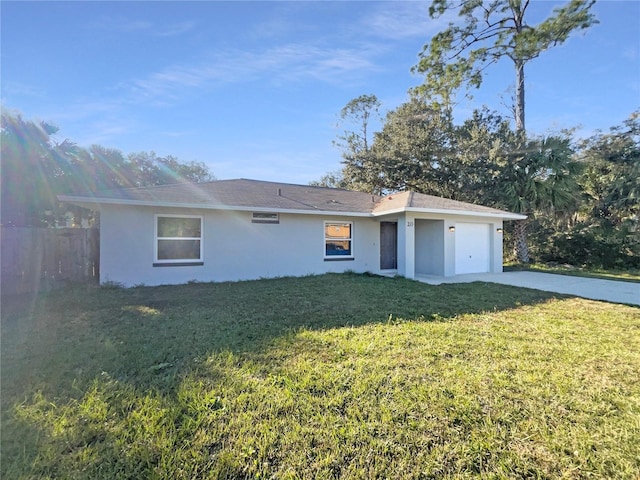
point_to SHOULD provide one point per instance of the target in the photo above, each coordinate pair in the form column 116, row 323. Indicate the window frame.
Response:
column 175, row 262
column 349, row 239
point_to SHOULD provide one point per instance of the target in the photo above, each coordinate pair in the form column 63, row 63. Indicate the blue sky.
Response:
column 253, row 89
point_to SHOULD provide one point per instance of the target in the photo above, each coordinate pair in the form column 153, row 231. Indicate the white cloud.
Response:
column 282, row 64
column 177, row 133
column 11, row 89
column 175, row 29
column 102, row 132
column 134, row 26
column 141, row 26
column 630, row 53
column 400, row 20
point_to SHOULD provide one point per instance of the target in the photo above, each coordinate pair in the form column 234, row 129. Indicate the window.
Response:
column 178, row 240
column 257, row 217
column 337, row 240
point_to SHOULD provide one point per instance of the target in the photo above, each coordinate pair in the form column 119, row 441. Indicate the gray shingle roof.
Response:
column 261, row 195
column 413, row 200
column 248, row 193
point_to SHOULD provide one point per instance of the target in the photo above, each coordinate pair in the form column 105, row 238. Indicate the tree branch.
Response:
column 463, row 43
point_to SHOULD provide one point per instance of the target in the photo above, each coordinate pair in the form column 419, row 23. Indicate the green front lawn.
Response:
column 335, row 376
column 621, row 275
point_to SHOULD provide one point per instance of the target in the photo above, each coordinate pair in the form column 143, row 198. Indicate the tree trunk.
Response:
column 520, row 241
column 519, row 109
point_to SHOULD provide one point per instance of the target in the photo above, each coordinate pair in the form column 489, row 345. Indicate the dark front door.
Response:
column 388, row 245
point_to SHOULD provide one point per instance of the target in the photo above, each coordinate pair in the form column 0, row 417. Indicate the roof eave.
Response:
column 86, row 201
column 461, row 213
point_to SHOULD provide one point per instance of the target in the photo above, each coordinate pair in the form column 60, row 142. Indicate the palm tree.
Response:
column 539, row 178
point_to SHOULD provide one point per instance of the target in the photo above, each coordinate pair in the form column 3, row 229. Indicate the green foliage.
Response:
column 585, row 245
column 583, row 206
column 481, row 147
column 488, row 32
column 31, row 170
column 355, row 141
column 358, row 113
column 419, row 148
column 147, row 169
column 532, row 176
column 36, row 168
column 331, row 180
column 539, row 176
column 611, row 172
column 603, row 228
column 336, row 376
column 414, row 148
column 484, row 161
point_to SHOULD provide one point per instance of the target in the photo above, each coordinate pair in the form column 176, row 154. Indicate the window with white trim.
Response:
column 178, row 240
column 338, row 237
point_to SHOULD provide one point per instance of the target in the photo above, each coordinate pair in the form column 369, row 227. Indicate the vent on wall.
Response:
column 260, row 217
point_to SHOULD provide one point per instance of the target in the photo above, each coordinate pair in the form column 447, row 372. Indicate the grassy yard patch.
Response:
column 621, row 275
column 335, row 376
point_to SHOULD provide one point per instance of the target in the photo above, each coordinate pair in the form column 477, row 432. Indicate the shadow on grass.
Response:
column 143, row 333
column 141, row 345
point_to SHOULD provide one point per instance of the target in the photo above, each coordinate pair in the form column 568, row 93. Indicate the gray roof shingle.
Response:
column 413, row 200
column 262, row 195
column 248, row 193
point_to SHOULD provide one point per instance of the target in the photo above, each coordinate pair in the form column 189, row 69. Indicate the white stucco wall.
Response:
column 497, row 245
column 403, row 242
column 234, row 248
column 430, row 235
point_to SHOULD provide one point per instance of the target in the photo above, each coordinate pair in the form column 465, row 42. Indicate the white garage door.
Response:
column 472, row 248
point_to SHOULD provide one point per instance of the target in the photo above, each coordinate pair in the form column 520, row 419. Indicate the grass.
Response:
column 621, row 275
column 335, row 376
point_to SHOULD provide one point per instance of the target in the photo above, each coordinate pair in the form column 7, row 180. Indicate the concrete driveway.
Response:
column 593, row 288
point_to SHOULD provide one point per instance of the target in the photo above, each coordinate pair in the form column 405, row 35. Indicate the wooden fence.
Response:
column 38, row 259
